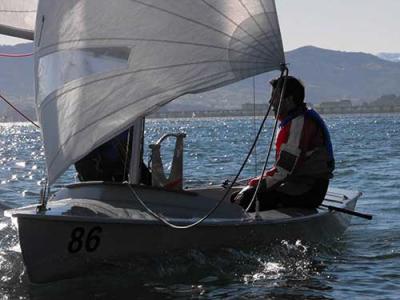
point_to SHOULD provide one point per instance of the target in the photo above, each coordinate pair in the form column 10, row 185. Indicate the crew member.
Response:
column 110, row 162
column 304, row 156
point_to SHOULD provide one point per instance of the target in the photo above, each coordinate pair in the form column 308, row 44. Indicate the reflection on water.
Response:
column 285, row 269
column 13, row 280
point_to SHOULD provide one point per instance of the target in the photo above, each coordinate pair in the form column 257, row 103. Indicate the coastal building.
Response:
column 340, row 106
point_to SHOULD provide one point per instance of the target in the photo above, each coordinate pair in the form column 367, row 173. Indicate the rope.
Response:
column 11, row 55
column 20, row 55
column 44, row 196
column 126, row 152
column 272, row 139
column 168, row 223
column 19, row 112
column 254, row 123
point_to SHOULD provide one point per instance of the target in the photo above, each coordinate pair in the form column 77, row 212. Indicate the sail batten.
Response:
column 163, row 49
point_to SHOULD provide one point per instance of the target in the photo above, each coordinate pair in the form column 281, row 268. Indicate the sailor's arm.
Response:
column 288, row 160
column 286, row 164
column 288, row 157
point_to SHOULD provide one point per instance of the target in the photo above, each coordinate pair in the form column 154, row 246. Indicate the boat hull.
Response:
column 57, row 246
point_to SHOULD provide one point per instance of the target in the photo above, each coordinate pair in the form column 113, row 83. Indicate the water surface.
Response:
column 363, row 264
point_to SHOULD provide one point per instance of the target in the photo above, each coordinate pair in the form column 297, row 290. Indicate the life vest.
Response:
column 310, row 113
column 303, row 153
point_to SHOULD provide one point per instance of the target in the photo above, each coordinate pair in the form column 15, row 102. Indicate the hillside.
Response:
column 390, row 56
column 327, row 74
column 330, row 75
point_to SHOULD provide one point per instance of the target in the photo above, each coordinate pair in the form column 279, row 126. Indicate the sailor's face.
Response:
column 274, row 101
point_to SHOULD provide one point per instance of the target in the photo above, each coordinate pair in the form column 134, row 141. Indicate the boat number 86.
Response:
column 80, row 239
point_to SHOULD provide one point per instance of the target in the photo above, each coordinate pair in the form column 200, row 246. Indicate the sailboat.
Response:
column 101, row 66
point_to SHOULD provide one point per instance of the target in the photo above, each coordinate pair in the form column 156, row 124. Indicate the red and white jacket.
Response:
column 303, row 154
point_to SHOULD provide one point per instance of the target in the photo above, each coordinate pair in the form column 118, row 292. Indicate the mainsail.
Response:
column 101, row 64
column 17, row 18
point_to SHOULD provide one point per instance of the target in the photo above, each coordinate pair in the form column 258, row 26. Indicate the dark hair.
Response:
column 294, row 87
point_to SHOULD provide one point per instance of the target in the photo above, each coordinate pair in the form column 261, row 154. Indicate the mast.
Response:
column 137, row 151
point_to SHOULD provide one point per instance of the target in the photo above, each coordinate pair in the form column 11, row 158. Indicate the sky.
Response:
column 371, row 26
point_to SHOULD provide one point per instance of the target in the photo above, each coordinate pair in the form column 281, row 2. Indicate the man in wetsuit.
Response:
column 304, row 156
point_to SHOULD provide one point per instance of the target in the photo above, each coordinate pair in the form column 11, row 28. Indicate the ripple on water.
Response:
column 363, row 264
column 13, row 279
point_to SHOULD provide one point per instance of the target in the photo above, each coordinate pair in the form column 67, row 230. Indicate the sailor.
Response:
column 110, row 162
column 304, row 156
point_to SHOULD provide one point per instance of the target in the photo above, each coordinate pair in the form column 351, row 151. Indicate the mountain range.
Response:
column 328, row 75
column 390, row 56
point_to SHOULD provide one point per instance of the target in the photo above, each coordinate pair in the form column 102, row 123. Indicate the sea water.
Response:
column 363, row 264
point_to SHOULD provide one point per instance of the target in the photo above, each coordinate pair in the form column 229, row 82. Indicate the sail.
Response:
column 101, row 64
column 17, row 18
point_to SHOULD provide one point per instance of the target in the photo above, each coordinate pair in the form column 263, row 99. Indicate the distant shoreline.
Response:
column 361, row 110
column 244, row 113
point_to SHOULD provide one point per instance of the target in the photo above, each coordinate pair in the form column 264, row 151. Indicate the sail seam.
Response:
column 124, row 107
column 44, row 103
column 255, row 21
column 239, row 26
column 277, row 34
column 153, row 40
column 198, row 23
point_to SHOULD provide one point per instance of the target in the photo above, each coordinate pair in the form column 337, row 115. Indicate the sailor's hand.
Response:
column 263, row 186
column 244, row 196
column 253, row 182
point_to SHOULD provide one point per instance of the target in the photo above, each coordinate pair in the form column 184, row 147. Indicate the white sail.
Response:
column 17, row 18
column 101, row 64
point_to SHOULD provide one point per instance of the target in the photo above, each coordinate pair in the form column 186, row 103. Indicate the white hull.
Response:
column 74, row 235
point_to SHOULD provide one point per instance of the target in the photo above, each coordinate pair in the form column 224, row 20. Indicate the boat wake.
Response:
column 190, row 273
column 285, row 260
column 12, row 271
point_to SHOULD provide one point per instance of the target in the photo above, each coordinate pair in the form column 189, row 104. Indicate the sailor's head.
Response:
column 292, row 99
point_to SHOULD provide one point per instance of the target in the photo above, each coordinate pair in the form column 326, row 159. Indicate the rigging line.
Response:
column 198, row 23
column 254, row 123
column 140, row 100
column 278, row 34
column 168, row 223
column 255, row 21
column 19, row 112
column 238, row 25
column 128, row 147
column 44, row 192
column 122, row 152
column 12, row 55
column 272, row 138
